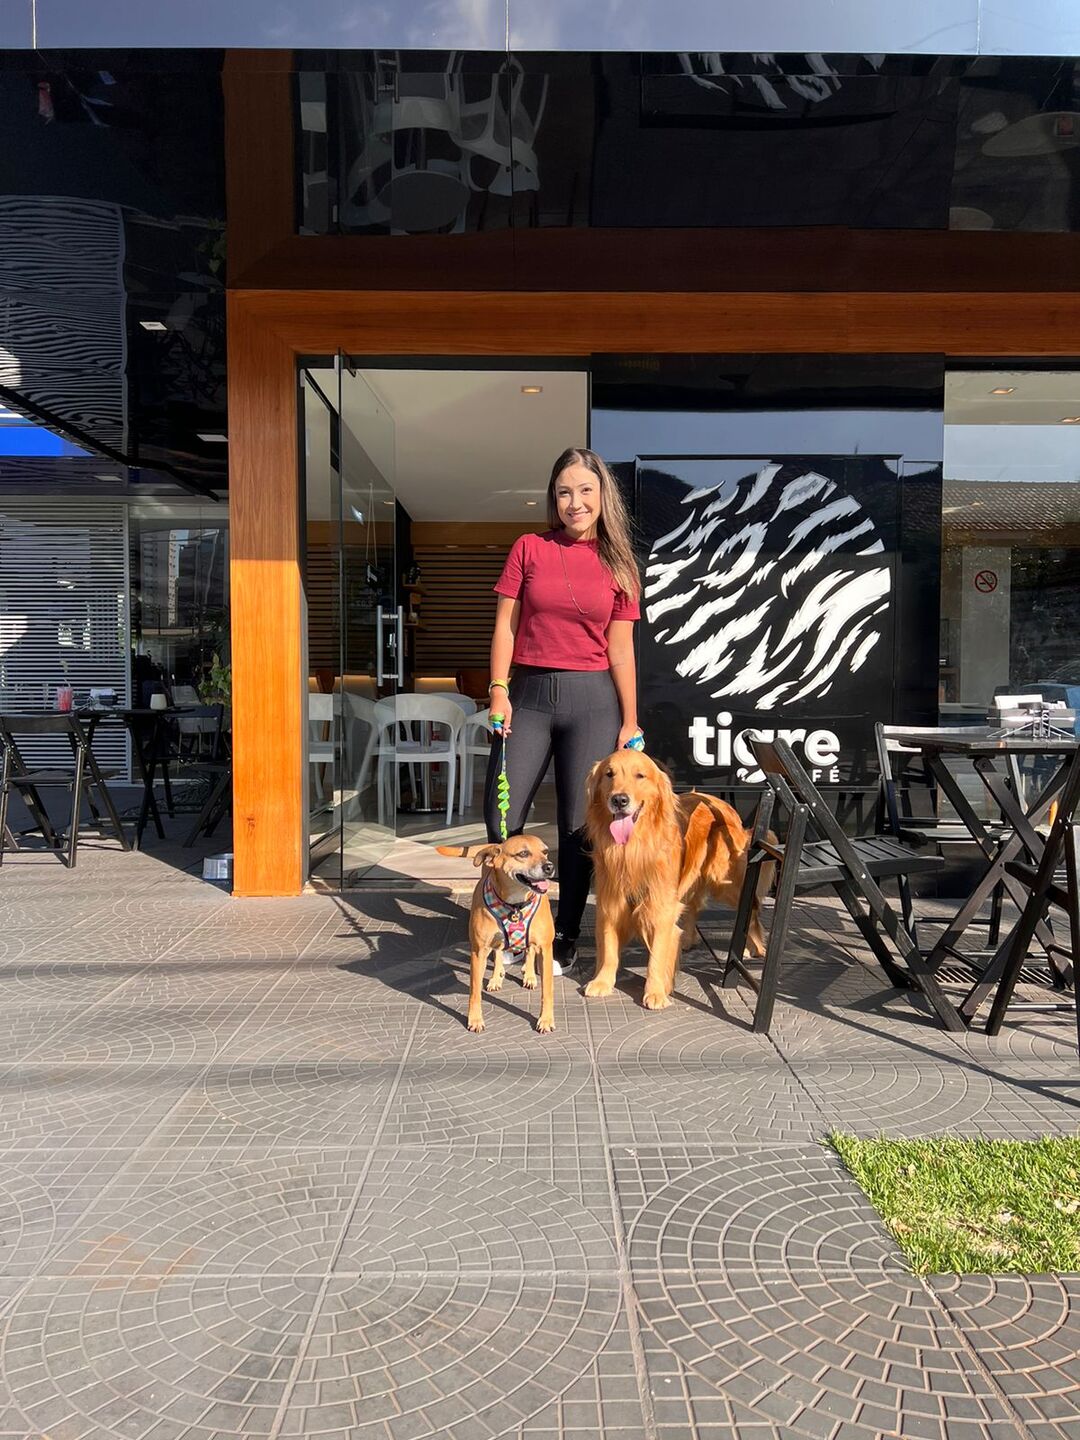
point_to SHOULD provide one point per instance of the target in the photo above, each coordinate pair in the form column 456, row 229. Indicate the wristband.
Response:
column 499, row 685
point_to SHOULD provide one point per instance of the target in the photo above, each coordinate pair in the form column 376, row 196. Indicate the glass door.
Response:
column 372, row 630
column 353, row 627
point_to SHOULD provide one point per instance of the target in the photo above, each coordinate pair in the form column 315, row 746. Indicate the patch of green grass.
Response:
column 974, row 1206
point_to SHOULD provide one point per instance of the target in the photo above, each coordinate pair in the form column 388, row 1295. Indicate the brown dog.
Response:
column 515, row 881
column 657, row 856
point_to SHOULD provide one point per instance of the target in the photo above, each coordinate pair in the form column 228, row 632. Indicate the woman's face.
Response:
column 577, row 497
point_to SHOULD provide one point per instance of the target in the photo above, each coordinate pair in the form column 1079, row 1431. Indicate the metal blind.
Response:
column 64, row 613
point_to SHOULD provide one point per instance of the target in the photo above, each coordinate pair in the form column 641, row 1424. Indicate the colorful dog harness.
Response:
column 513, row 920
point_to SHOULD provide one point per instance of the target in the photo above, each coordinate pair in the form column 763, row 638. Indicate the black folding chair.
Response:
column 86, row 777
column 815, row 855
column 1054, row 881
column 218, row 802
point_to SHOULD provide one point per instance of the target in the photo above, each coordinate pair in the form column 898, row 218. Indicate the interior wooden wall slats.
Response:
column 457, row 608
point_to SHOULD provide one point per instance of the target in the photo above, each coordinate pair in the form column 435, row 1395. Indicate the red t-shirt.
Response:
column 547, row 573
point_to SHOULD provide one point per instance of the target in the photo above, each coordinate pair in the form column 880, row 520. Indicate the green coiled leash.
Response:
column 502, row 792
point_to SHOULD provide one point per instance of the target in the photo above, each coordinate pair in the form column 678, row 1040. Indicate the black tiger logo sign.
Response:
column 768, row 589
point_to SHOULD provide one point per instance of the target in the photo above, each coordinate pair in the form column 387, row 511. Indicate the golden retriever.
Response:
column 657, row 856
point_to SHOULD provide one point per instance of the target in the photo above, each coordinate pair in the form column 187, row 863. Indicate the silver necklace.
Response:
column 585, row 614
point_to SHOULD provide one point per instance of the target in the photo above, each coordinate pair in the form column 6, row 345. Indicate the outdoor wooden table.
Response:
column 989, row 749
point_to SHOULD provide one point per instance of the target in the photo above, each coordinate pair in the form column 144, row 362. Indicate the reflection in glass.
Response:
column 179, row 559
column 1010, row 540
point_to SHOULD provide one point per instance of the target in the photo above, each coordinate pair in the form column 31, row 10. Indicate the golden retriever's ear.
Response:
column 592, row 781
column 695, row 846
column 488, row 854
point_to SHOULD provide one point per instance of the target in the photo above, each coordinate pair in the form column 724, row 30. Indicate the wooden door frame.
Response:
column 268, row 330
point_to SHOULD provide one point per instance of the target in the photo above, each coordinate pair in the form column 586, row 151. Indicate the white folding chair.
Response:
column 400, row 744
column 475, row 743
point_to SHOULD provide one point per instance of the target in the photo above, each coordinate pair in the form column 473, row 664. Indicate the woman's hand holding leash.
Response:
column 502, row 712
column 630, row 738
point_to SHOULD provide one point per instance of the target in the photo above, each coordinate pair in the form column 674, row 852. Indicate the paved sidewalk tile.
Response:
column 101, row 1108
column 685, row 1104
column 451, row 1354
column 258, row 1179
column 1026, row 1331
column 434, row 1210
column 177, row 1359
column 749, row 1210
column 893, row 1098
column 842, row 1353
column 283, row 1214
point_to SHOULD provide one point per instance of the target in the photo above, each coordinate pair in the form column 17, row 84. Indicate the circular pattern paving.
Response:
column 278, row 1216
column 444, row 1213
column 870, row 1353
column 181, row 1356
column 762, row 1211
column 298, row 1103
column 27, row 1223
column 883, row 1098
column 458, row 1086
column 769, row 1276
column 404, row 1359
column 1026, row 1328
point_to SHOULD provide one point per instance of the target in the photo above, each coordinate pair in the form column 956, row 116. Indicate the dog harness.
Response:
column 513, row 920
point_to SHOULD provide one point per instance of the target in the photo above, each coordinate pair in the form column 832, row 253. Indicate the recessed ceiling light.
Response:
column 1003, row 390
column 1071, row 420
column 388, row 502
column 153, row 325
column 451, row 547
column 532, row 502
column 532, row 389
column 213, row 437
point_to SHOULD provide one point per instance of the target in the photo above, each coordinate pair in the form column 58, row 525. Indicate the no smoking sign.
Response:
column 986, row 581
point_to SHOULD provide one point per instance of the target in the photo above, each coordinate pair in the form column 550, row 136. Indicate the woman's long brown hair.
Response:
column 613, row 527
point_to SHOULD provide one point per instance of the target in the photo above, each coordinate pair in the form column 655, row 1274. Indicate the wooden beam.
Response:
column 568, row 323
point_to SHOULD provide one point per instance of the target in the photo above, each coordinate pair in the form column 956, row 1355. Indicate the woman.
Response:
column 567, row 604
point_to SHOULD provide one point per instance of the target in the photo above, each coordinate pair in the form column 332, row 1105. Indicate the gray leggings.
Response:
column 573, row 718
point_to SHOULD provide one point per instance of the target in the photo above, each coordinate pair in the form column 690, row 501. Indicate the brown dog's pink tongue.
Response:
column 621, row 829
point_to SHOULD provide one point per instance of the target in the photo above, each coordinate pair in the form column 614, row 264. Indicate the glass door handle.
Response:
column 401, row 645
column 379, row 675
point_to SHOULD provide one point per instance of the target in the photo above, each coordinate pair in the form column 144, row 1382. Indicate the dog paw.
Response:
column 596, row 989
column 545, row 1025
column 530, row 982
column 494, row 984
column 476, row 1025
column 656, row 1000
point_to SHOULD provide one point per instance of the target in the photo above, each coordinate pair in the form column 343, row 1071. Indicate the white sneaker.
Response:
column 556, row 968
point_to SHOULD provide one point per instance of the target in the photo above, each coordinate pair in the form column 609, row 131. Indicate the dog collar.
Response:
column 513, row 920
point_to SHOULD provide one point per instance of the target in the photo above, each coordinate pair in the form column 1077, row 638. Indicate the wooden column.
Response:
column 266, row 602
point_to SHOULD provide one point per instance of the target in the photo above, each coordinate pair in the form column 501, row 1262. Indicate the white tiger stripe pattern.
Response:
column 753, row 590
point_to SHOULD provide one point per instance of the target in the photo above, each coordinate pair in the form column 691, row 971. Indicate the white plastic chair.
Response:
column 401, row 713
column 475, row 741
column 321, row 711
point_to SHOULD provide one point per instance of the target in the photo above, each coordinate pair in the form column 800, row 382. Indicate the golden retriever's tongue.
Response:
column 621, row 829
